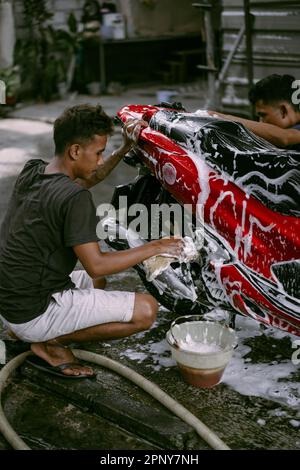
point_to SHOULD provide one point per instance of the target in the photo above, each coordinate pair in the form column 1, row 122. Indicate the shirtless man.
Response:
column 279, row 117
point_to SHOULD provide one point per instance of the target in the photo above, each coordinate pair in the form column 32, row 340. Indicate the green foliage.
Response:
column 11, row 77
column 44, row 55
column 36, row 13
column 72, row 24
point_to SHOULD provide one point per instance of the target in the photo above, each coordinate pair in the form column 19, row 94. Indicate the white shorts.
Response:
column 76, row 309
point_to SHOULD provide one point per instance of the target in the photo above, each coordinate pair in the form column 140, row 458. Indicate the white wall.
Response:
column 60, row 8
column 165, row 17
column 161, row 17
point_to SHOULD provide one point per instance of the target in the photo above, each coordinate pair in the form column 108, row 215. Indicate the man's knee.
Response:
column 145, row 311
column 99, row 283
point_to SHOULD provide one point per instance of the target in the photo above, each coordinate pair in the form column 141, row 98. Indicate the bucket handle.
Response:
column 186, row 319
column 178, row 321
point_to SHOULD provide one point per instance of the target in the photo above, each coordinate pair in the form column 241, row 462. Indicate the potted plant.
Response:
column 11, row 78
column 46, row 55
column 67, row 45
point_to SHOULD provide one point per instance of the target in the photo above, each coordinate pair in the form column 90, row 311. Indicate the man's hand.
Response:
column 169, row 246
column 131, row 131
column 216, row 114
column 272, row 133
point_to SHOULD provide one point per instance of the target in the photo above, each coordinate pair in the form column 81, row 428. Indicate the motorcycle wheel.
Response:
column 178, row 306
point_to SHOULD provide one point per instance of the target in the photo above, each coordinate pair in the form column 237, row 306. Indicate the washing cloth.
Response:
column 159, row 263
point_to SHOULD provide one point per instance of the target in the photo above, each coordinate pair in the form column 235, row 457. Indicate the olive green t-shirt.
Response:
column 46, row 216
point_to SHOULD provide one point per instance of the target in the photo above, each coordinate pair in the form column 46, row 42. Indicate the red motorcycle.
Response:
column 249, row 191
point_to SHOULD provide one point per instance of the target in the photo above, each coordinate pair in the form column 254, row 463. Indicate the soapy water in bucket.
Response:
column 202, row 349
column 195, row 346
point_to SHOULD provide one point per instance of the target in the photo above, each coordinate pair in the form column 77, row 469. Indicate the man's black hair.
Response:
column 79, row 124
column 273, row 89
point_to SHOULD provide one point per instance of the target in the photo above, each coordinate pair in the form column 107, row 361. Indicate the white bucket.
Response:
column 113, row 26
column 166, row 95
column 7, row 34
column 93, row 88
column 202, row 349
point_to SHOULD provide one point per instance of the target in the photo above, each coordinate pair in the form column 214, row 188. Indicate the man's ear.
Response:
column 74, row 151
column 284, row 110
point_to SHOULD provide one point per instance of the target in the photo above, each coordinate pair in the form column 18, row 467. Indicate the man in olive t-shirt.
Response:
column 50, row 223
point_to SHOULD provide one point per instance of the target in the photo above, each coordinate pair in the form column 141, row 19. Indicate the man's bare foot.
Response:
column 56, row 355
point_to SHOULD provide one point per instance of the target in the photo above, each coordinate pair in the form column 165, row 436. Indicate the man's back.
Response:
column 36, row 239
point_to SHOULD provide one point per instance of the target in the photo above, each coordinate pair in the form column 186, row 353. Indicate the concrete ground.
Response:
column 257, row 404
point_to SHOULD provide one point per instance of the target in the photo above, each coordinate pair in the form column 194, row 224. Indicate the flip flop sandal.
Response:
column 39, row 363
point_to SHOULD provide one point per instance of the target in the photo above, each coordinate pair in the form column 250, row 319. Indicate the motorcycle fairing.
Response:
column 232, row 149
column 250, row 193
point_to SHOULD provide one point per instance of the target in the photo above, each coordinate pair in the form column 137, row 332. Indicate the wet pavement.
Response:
column 257, row 404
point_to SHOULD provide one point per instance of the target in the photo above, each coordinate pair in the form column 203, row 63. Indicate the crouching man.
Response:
column 50, row 224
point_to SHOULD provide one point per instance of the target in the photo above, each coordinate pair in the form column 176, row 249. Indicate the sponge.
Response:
column 159, row 263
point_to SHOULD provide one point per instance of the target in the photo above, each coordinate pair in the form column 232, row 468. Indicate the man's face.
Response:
column 90, row 156
column 276, row 114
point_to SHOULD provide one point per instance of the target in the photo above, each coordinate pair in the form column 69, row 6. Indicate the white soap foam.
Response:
column 261, row 422
column 135, row 355
column 272, row 381
column 200, row 347
column 158, row 352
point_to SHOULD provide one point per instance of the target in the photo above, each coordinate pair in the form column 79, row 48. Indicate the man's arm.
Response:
column 131, row 132
column 273, row 134
column 104, row 170
column 99, row 264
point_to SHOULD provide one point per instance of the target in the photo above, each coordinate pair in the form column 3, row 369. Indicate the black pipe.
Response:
column 249, row 19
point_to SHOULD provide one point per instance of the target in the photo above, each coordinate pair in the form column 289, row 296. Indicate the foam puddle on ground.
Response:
column 266, row 380
column 269, row 380
column 158, row 352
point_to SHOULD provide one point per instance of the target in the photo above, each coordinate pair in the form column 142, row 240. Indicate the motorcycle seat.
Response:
column 270, row 174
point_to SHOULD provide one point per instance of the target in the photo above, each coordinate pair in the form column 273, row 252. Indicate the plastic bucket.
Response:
column 202, row 349
column 165, row 96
